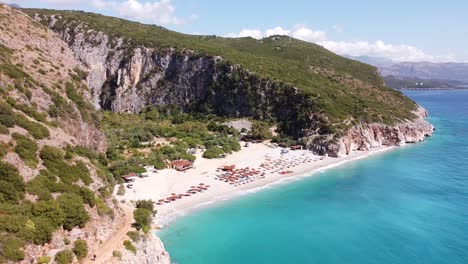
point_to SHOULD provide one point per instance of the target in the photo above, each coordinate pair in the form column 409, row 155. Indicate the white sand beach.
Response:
column 261, row 164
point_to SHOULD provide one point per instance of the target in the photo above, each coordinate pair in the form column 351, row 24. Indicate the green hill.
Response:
column 345, row 89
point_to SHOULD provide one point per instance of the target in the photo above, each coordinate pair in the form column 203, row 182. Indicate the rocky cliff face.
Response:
column 366, row 136
column 127, row 78
column 149, row 250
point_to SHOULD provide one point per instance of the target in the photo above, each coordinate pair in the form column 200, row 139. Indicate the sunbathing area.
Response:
column 185, row 186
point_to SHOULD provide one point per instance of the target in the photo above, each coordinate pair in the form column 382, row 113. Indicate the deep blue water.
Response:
column 403, row 206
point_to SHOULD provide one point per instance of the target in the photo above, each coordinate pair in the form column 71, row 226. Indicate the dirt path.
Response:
column 104, row 253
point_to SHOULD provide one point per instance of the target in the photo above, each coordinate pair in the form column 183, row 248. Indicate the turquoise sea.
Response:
column 404, row 206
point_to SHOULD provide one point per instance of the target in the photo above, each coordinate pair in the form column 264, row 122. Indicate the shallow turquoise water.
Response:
column 404, row 206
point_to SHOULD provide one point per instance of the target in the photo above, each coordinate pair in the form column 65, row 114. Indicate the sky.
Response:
column 400, row 30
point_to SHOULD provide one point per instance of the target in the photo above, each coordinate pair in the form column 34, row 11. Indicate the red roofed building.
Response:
column 130, row 177
column 181, row 165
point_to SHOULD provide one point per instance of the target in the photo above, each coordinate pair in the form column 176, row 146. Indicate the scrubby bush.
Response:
column 134, row 235
column 75, row 213
column 121, row 190
column 260, row 130
column 3, row 129
column 26, row 149
column 6, row 115
column 11, row 184
column 213, row 152
column 43, row 260
column 80, row 248
column 10, row 248
column 3, row 149
column 129, row 246
column 37, row 130
column 117, row 254
column 64, row 257
column 142, row 218
column 51, row 210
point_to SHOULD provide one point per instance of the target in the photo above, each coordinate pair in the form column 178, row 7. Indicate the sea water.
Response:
column 409, row 205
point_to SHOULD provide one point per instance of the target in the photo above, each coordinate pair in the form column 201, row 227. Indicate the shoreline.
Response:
column 164, row 220
column 161, row 184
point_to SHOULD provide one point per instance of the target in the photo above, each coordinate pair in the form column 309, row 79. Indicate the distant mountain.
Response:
column 449, row 74
column 418, row 83
column 14, row 5
column 427, row 70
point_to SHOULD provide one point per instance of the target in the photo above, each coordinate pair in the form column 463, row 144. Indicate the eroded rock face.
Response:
column 150, row 250
column 366, row 136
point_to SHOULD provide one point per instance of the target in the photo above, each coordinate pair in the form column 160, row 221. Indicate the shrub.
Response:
column 75, row 213
column 10, row 248
column 66, row 241
column 80, row 248
column 3, row 149
column 146, row 204
column 26, row 149
column 37, row 130
column 64, row 257
column 129, row 246
column 121, row 190
column 103, row 209
column 11, row 183
column 134, row 235
column 117, row 254
column 41, row 71
column 3, row 129
column 49, row 209
column 260, row 130
column 213, row 152
column 6, row 115
column 43, row 260
column 142, row 218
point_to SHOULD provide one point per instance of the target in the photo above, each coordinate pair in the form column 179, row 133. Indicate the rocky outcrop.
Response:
column 366, row 136
column 150, row 250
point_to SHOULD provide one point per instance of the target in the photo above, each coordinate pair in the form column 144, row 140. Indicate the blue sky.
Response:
column 410, row 30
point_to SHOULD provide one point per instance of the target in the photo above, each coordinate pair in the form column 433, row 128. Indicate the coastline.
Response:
column 162, row 183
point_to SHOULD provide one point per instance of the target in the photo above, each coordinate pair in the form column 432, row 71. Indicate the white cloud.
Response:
column 254, row 33
column 380, row 49
column 155, row 12
column 277, row 31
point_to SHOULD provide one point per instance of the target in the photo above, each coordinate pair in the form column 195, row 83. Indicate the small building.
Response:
column 130, row 177
column 228, row 168
column 296, row 147
column 181, row 165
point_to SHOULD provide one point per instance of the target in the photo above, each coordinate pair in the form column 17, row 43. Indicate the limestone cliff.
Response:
column 366, row 136
column 127, row 77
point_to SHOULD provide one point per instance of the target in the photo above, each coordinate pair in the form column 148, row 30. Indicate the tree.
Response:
column 260, row 130
column 80, row 248
column 146, row 204
column 75, row 213
column 10, row 248
column 213, row 152
column 142, row 218
column 51, row 210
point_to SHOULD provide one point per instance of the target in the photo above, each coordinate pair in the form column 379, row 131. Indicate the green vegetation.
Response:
column 117, row 254
column 64, row 257
column 134, row 235
column 10, row 249
column 316, row 71
column 43, row 260
column 36, row 130
column 129, row 246
column 128, row 134
column 75, row 213
column 143, row 215
column 80, row 248
column 260, row 130
column 3, row 149
column 26, row 149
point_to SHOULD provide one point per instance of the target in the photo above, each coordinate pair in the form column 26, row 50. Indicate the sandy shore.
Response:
column 162, row 184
